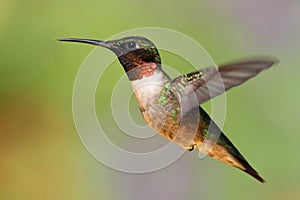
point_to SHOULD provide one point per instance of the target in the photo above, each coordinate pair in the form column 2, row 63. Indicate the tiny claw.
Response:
column 191, row 148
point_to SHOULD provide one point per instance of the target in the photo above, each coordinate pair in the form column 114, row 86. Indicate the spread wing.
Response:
column 207, row 83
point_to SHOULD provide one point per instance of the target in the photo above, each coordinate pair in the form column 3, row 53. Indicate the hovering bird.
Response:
column 171, row 106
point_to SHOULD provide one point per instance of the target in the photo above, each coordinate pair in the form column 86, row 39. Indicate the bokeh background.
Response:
column 41, row 156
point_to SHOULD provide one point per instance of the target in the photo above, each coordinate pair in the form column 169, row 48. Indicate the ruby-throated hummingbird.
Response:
column 171, row 107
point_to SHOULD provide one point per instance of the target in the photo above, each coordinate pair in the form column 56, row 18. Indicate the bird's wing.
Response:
column 212, row 81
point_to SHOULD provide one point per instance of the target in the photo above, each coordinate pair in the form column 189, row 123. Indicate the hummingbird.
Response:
column 172, row 106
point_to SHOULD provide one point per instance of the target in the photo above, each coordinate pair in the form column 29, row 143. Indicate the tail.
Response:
column 226, row 152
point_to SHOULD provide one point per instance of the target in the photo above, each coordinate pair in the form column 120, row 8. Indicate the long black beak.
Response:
column 87, row 41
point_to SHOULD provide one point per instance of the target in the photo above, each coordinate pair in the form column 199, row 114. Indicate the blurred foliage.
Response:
column 41, row 156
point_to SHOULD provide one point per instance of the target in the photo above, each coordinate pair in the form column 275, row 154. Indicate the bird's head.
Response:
column 138, row 55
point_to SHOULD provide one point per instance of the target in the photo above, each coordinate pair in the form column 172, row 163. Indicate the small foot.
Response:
column 191, row 148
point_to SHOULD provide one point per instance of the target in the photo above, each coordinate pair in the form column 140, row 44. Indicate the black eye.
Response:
column 131, row 45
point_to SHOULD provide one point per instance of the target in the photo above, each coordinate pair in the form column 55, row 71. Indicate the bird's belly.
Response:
column 165, row 119
column 165, row 123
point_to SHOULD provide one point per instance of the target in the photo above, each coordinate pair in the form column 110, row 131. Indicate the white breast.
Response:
column 147, row 88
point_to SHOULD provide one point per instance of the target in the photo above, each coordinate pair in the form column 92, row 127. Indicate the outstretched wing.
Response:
column 213, row 81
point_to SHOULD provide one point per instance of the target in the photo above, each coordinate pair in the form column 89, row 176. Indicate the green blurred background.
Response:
column 41, row 156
